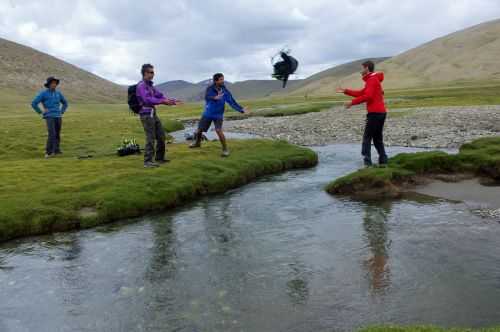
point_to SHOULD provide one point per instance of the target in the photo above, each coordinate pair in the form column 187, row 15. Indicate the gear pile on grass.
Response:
column 129, row 147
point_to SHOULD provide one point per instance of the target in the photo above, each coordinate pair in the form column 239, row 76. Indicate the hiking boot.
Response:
column 150, row 164
column 196, row 141
column 382, row 165
column 225, row 153
column 58, row 152
column 162, row 161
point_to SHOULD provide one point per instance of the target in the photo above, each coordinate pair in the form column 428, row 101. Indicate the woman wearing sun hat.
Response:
column 51, row 99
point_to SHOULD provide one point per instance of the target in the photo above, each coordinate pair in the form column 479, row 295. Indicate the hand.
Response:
column 169, row 102
column 340, row 90
column 348, row 105
column 179, row 102
column 246, row 110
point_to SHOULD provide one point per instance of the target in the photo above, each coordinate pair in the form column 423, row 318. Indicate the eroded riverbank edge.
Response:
column 87, row 193
column 476, row 166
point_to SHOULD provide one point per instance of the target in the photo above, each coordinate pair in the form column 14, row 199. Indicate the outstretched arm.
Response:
column 230, row 100
column 354, row 93
column 366, row 95
column 149, row 99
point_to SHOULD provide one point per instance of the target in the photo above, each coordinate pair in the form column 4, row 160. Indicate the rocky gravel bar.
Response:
column 436, row 127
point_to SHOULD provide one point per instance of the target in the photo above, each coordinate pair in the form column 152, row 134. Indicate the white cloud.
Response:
column 191, row 39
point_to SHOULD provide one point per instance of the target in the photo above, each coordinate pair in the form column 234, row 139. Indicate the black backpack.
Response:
column 133, row 102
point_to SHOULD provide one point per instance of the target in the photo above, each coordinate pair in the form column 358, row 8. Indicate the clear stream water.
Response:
column 277, row 255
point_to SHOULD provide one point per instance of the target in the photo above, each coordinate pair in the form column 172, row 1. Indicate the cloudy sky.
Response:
column 192, row 39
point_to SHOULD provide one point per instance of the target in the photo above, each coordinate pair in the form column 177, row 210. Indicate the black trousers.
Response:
column 374, row 131
column 54, row 126
column 154, row 132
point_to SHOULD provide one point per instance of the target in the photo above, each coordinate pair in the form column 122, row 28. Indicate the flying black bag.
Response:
column 283, row 69
column 133, row 102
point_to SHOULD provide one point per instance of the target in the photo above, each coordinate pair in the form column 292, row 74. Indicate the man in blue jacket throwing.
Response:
column 51, row 100
column 216, row 97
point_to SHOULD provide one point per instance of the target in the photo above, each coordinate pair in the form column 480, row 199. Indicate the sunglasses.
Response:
column 150, row 72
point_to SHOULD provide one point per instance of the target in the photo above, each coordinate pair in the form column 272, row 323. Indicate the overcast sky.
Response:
column 192, row 39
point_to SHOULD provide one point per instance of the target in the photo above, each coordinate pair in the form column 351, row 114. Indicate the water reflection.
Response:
column 376, row 236
column 3, row 263
column 298, row 285
column 218, row 226
column 163, row 255
column 375, row 225
column 160, row 295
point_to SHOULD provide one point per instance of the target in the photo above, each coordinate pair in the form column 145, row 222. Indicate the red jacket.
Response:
column 372, row 93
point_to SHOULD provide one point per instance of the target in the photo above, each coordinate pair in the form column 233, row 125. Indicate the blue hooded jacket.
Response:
column 51, row 101
column 214, row 108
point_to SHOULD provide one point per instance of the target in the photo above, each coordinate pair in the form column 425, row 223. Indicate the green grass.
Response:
column 481, row 157
column 264, row 108
column 424, row 329
column 467, row 94
column 91, row 129
column 297, row 109
column 472, row 95
column 40, row 196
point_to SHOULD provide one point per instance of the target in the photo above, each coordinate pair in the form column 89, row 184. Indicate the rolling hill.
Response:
column 469, row 56
column 251, row 89
column 465, row 57
column 23, row 71
column 327, row 77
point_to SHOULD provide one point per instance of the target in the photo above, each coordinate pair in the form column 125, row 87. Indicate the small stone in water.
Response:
column 126, row 291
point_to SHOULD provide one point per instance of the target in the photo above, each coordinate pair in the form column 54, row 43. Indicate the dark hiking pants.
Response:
column 374, row 131
column 154, row 132
column 54, row 126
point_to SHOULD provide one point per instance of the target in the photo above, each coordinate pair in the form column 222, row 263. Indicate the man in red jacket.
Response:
column 373, row 95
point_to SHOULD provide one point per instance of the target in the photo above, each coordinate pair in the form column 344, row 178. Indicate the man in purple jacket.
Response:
column 149, row 97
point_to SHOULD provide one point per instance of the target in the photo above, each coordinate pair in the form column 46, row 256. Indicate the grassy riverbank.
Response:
column 41, row 196
column 481, row 158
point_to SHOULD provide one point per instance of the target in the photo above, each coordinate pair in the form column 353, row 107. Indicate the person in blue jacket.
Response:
column 51, row 100
column 216, row 97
